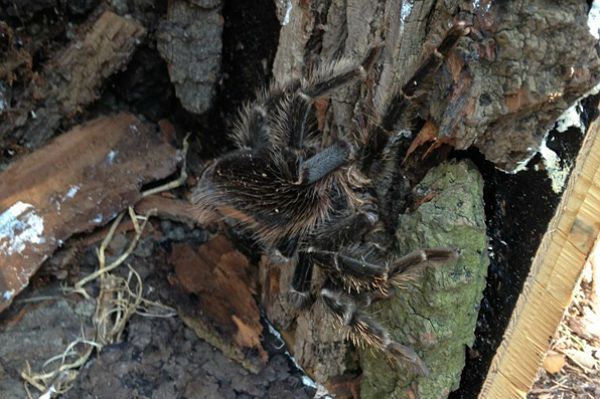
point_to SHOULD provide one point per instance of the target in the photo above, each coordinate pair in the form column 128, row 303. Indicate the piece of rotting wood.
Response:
column 553, row 277
column 78, row 182
column 72, row 78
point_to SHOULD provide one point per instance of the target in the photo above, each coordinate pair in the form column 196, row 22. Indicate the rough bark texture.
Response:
column 190, row 41
column 223, row 310
column 437, row 314
column 535, row 74
column 76, row 183
column 499, row 103
column 70, row 81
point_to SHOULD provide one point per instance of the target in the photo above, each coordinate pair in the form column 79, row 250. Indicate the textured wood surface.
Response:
column 78, row 182
column 72, row 78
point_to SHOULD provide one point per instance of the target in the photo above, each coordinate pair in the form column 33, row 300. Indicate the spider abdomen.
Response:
column 250, row 188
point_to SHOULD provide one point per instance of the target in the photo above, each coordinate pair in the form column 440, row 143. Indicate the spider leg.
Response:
column 345, row 230
column 358, row 274
column 330, row 77
column 414, row 87
column 294, row 101
column 405, row 269
column 299, row 293
column 363, row 329
column 319, row 84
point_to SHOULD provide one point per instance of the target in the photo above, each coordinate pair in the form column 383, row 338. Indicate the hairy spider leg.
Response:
column 319, row 84
column 414, row 87
column 292, row 102
column 363, row 329
column 299, row 293
column 358, row 274
column 327, row 78
column 344, row 230
column 404, row 270
column 324, row 162
column 391, row 184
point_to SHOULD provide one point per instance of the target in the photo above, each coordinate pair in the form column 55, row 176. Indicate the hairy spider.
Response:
column 321, row 200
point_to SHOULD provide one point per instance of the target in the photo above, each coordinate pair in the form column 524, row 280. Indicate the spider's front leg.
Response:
column 416, row 86
column 356, row 273
column 363, row 329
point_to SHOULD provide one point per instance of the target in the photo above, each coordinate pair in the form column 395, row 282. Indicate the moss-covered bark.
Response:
column 436, row 315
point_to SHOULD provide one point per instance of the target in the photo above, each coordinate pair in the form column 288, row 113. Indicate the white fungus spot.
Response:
column 110, row 157
column 593, row 21
column 288, row 13
column 407, row 6
column 72, row 191
column 20, row 226
column 8, row 294
column 558, row 174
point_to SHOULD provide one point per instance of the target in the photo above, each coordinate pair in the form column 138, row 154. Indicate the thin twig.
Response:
column 182, row 177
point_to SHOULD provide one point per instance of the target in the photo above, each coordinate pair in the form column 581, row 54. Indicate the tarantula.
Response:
column 317, row 200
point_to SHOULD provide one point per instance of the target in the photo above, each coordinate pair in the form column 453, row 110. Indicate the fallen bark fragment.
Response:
column 224, row 311
column 190, row 42
column 79, row 181
column 72, row 78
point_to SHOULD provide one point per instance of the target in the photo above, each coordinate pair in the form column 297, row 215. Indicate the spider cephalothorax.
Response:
column 311, row 196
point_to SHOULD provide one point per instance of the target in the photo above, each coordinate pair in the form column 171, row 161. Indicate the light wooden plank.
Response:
column 553, row 277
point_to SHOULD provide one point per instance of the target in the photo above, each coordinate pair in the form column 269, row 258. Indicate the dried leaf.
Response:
column 428, row 133
column 554, row 362
column 223, row 310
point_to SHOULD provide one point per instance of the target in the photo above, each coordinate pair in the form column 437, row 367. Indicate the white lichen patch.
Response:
column 20, row 226
column 7, row 295
column 72, row 191
column 593, row 21
column 556, row 172
column 288, row 13
column 111, row 156
column 407, row 6
column 571, row 117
